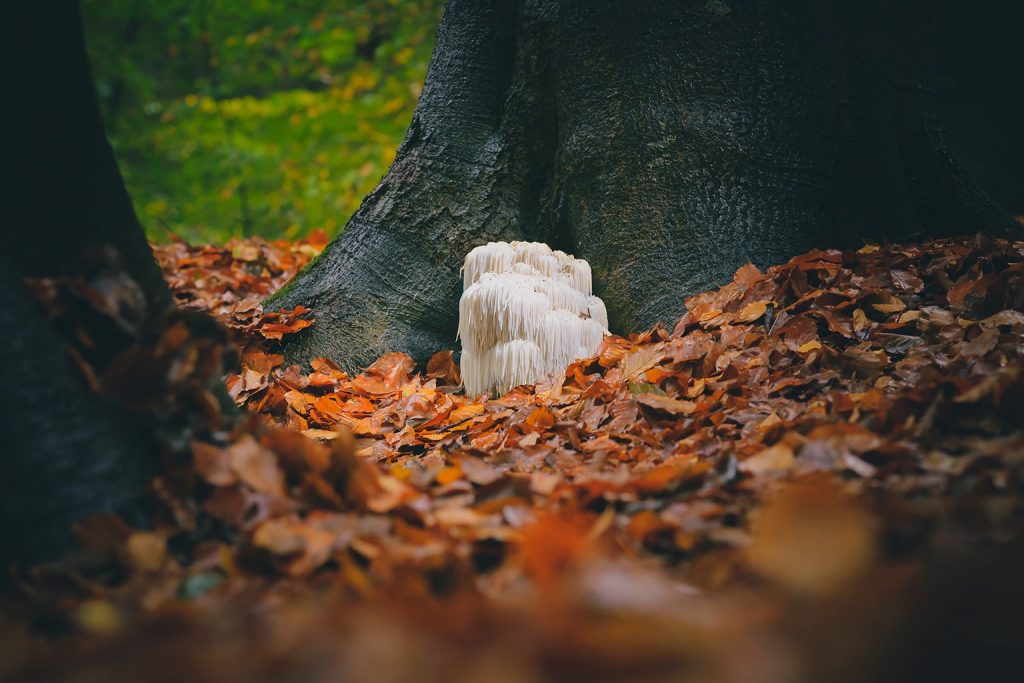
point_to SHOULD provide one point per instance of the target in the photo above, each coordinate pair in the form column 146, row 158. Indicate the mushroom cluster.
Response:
column 526, row 310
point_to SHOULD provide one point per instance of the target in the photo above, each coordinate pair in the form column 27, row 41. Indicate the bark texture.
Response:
column 977, row 57
column 66, row 452
column 666, row 142
column 469, row 171
column 65, row 196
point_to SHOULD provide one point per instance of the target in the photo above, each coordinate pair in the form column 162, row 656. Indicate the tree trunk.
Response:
column 66, row 452
column 977, row 57
column 666, row 142
column 65, row 195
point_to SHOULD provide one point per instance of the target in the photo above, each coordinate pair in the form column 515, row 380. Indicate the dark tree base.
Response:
column 67, row 453
column 666, row 142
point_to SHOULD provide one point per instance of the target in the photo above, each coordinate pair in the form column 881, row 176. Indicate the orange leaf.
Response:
column 667, row 404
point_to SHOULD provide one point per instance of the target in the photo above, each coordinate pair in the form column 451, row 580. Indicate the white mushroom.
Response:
column 526, row 310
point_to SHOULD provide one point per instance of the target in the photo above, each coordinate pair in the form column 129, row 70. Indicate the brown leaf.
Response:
column 669, row 405
column 777, row 458
column 145, row 552
column 442, row 367
column 752, row 311
column 213, row 464
column 386, row 375
column 256, row 466
column 812, row 538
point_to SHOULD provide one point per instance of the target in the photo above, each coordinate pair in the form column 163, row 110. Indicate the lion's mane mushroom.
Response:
column 525, row 311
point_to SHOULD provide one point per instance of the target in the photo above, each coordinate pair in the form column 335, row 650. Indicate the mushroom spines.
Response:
column 597, row 311
column 526, row 310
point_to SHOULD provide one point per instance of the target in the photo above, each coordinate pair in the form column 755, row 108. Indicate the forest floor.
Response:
column 817, row 474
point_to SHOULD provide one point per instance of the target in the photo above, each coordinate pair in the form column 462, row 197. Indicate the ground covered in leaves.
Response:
column 817, row 474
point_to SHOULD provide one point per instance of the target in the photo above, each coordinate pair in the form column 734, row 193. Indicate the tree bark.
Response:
column 66, row 452
column 66, row 195
column 977, row 57
column 469, row 171
column 666, row 142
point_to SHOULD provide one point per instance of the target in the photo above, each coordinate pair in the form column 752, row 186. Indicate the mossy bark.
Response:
column 666, row 142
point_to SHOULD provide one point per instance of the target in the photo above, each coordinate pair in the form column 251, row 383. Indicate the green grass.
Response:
column 256, row 118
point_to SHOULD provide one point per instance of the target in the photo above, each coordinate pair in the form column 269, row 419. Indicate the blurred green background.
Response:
column 256, row 117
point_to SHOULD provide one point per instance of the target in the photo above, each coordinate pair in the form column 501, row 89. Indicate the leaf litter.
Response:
column 803, row 451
